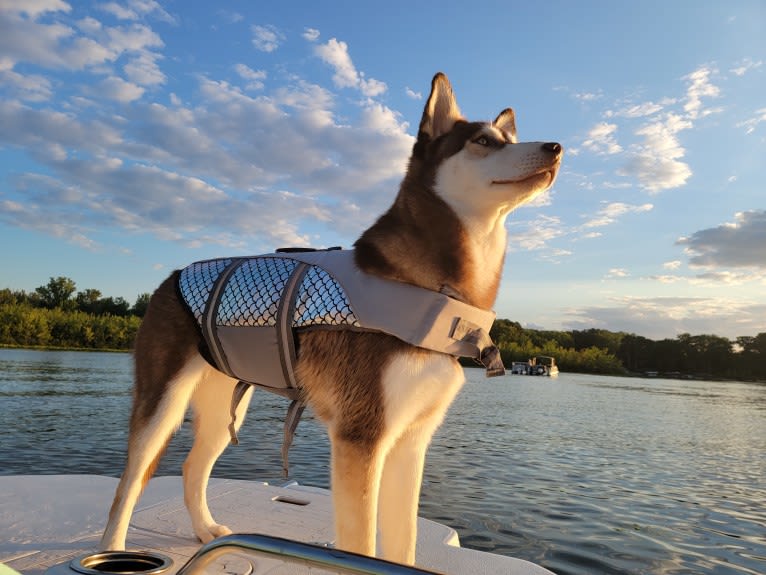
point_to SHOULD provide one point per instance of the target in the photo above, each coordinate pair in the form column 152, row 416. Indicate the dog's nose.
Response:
column 553, row 147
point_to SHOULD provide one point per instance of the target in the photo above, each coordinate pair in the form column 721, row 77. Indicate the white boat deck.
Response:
column 47, row 520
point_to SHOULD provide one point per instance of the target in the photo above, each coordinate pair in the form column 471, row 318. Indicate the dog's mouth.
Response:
column 545, row 176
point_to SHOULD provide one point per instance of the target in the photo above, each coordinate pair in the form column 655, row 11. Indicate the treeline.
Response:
column 607, row 352
column 57, row 315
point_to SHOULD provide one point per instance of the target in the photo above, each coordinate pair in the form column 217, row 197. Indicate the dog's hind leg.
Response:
column 148, row 439
column 211, row 403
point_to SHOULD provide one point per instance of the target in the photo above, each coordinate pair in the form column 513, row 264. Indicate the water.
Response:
column 582, row 474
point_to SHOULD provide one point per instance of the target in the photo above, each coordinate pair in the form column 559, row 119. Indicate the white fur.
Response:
column 149, row 442
column 468, row 182
column 417, row 393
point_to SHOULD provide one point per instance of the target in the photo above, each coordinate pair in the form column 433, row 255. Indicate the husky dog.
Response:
column 380, row 398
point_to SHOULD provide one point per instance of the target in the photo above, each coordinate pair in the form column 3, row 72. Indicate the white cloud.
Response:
column 656, row 162
column 31, row 87
column 601, row 139
column 136, row 9
column 587, row 96
column 254, row 78
column 33, row 8
column 672, row 265
column 119, row 90
column 266, row 38
column 609, row 213
column 699, row 87
column 311, row 34
column 335, row 53
column 413, row 94
column 143, row 69
column 534, row 235
column 617, row 273
column 746, row 66
column 636, row 110
column 752, row 123
column 119, row 11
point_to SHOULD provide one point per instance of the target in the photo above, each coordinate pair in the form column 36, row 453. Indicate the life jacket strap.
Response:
column 486, row 352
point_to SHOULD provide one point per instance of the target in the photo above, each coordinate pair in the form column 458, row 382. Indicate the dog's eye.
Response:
column 482, row 141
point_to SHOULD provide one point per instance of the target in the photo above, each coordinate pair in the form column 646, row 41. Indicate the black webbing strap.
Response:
column 294, row 413
column 239, row 392
column 293, row 418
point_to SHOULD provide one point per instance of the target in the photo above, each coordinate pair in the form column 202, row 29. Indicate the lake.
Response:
column 580, row 473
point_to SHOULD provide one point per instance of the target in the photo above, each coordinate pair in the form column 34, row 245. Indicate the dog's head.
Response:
column 479, row 168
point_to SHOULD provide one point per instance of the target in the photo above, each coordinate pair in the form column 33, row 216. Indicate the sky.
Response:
column 138, row 136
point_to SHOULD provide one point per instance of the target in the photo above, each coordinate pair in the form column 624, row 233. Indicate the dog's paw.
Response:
column 213, row 531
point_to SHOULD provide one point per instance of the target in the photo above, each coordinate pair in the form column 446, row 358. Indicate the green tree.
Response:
column 57, row 293
column 142, row 302
column 88, row 300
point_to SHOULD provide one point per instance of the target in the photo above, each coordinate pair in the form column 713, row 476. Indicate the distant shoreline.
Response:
column 681, row 377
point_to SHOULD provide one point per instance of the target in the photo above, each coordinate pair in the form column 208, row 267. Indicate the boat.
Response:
column 51, row 525
column 538, row 365
column 520, row 368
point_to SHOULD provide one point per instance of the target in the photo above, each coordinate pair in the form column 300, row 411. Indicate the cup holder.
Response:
column 122, row 563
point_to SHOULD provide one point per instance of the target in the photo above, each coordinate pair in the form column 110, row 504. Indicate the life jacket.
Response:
column 249, row 310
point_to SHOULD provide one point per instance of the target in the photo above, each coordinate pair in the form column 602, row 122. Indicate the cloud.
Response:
column 31, row 87
column 221, row 166
column 601, row 139
column 254, row 78
column 143, row 69
column 534, row 235
column 335, row 53
column 656, row 162
column 311, row 34
column 636, row 110
column 672, row 265
column 56, row 45
column 609, row 213
column 656, row 317
column 699, row 87
column 136, row 9
column 34, row 8
column 117, row 89
column 266, row 38
column 617, row 273
column 655, row 157
column 412, row 93
column 746, row 66
column 752, row 123
column 737, row 244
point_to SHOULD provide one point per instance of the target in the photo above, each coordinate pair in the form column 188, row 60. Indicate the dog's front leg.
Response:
column 355, row 479
column 399, row 494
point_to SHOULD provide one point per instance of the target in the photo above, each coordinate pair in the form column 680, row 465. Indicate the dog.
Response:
column 381, row 398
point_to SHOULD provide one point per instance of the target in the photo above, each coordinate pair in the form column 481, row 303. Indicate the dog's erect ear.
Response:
column 506, row 121
column 441, row 111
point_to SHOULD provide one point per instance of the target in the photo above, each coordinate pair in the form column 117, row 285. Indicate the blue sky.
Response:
column 138, row 136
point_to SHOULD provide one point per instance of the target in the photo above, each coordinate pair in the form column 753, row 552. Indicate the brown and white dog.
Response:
column 381, row 399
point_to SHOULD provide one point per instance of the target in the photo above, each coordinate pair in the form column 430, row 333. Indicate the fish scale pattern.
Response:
column 322, row 301
column 252, row 294
column 197, row 281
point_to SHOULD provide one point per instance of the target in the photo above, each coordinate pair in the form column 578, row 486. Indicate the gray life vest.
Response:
column 249, row 310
